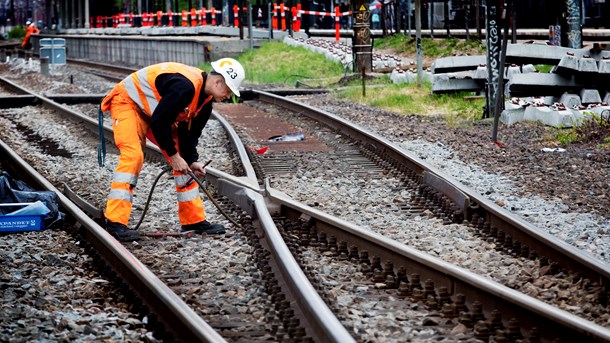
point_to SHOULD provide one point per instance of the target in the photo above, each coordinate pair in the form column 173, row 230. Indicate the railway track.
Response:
column 463, row 296
column 257, row 308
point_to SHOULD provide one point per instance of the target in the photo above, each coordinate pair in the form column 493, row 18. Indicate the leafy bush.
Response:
column 17, row 32
column 594, row 130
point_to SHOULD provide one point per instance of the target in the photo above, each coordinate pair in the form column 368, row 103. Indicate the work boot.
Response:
column 204, row 227
column 121, row 232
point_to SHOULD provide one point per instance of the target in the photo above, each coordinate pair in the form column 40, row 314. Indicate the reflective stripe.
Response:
column 120, row 194
column 131, row 179
column 145, row 88
column 181, row 180
column 188, row 195
column 132, row 90
column 140, row 86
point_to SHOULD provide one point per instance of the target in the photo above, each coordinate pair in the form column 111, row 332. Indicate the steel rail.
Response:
column 322, row 324
column 180, row 319
column 568, row 257
column 551, row 322
column 319, row 322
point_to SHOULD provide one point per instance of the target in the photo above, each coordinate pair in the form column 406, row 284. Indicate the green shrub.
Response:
column 17, row 32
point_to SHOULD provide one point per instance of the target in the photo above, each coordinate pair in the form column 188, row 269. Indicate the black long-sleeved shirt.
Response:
column 177, row 92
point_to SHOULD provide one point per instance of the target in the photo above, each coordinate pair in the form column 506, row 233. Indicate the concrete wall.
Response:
column 139, row 51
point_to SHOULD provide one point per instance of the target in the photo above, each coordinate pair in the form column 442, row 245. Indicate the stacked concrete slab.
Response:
column 467, row 74
column 576, row 89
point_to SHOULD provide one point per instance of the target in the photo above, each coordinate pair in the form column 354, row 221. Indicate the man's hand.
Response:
column 179, row 164
column 198, row 169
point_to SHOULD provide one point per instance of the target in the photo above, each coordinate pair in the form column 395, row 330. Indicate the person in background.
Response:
column 30, row 29
column 375, row 15
column 168, row 103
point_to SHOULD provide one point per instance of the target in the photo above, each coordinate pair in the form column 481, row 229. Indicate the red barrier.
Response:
column 184, row 18
column 159, row 16
column 294, row 19
column 98, row 22
column 213, row 16
column 203, row 17
column 298, row 26
column 337, row 23
column 235, row 16
column 274, row 18
column 193, row 17
column 131, row 19
column 170, row 16
column 283, row 16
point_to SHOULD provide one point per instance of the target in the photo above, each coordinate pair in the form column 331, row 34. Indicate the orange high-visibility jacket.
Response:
column 31, row 29
column 140, row 88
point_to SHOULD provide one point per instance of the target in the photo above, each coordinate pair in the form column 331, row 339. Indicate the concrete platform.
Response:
column 138, row 47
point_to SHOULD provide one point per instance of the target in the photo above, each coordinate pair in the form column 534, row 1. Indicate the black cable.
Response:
column 163, row 171
column 214, row 200
column 193, row 177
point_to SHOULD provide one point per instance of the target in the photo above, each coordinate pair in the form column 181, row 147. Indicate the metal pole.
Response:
column 574, row 24
column 269, row 14
column 492, row 28
column 361, row 41
column 52, row 53
column 420, row 69
column 86, row 16
column 499, row 101
column 250, row 25
column 409, row 16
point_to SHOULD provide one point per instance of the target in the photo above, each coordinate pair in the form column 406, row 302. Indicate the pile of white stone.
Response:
column 341, row 52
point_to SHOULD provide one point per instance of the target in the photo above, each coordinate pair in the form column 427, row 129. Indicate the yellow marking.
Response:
column 225, row 62
column 362, row 8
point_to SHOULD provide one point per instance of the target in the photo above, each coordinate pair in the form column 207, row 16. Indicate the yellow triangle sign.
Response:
column 362, row 8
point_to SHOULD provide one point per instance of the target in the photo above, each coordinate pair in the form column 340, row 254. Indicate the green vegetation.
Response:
column 543, row 68
column 409, row 99
column 276, row 62
column 606, row 144
column 17, row 32
column 403, row 44
column 594, row 130
column 566, row 136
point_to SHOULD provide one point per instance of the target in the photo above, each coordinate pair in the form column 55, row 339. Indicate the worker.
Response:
column 30, row 30
column 168, row 103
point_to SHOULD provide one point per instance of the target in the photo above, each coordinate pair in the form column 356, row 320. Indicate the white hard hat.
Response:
column 232, row 71
column 28, row 22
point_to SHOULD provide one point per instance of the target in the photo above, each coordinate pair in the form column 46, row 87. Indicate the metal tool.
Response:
column 190, row 181
column 185, row 234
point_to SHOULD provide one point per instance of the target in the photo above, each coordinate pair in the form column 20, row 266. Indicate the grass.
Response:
column 595, row 130
column 567, row 136
column 276, row 62
column 543, row 68
column 408, row 99
column 403, row 44
column 605, row 144
column 280, row 64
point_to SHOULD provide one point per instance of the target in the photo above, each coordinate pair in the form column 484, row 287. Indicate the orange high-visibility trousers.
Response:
column 130, row 132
